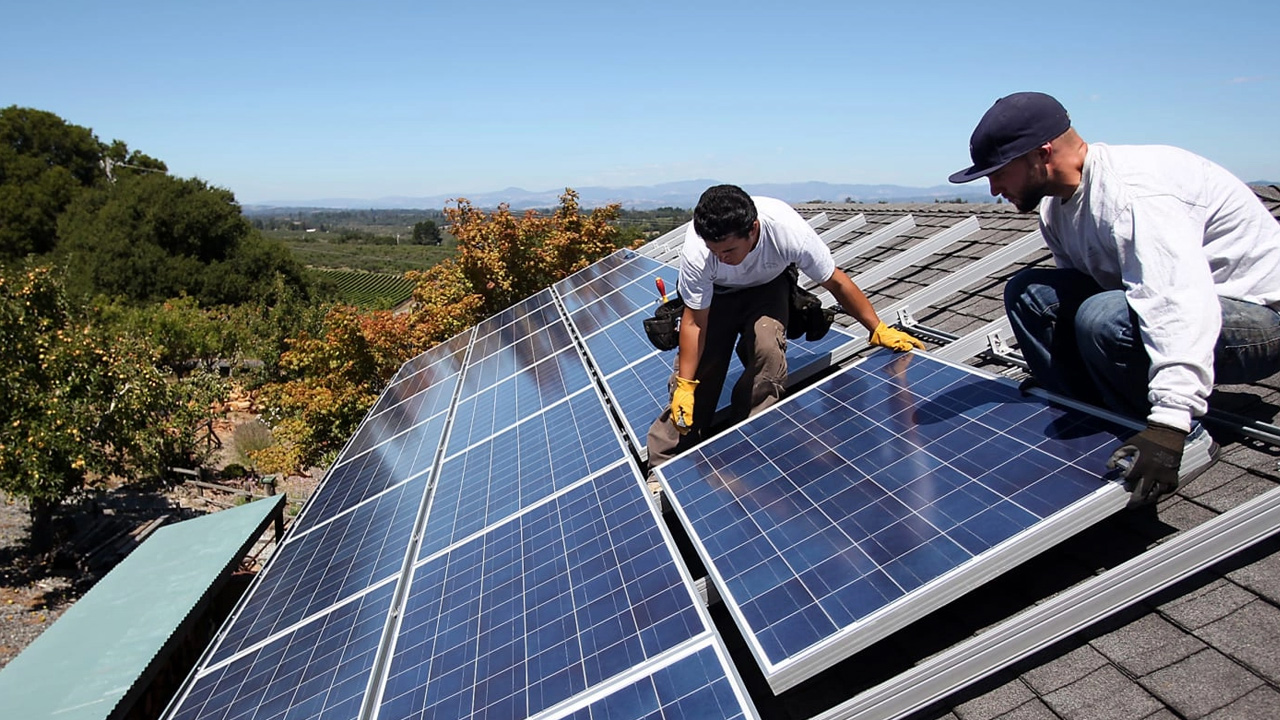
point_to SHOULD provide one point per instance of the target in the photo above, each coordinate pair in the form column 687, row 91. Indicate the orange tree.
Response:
column 329, row 378
column 79, row 403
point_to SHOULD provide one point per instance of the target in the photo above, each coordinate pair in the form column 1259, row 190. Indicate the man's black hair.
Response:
column 723, row 211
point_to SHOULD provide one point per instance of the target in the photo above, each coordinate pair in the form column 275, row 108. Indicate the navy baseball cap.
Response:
column 1014, row 126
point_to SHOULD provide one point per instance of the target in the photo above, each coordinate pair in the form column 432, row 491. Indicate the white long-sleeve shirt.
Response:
column 785, row 238
column 1175, row 232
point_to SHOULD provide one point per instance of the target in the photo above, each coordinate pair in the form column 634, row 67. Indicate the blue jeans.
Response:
column 1082, row 341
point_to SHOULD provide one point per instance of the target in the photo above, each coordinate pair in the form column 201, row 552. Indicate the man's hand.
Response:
column 897, row 340
column 682, row 404
column 1153, row 457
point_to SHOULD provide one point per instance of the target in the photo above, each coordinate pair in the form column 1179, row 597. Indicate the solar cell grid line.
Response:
column 593, row 271
column 587, row 292
column 503, row 474
column 314, row 570
column 698, row 683
column 570, row 593
column 519, row 396
column 369, row 474
column 520, row 354
column 515, row 331
column 514, row 313
column 319, row 669
column 453, row 350
column 879, row 494
column 380, row 427
column 448, row 363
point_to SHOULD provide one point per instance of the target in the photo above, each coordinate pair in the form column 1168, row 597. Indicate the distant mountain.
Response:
column 683, row 194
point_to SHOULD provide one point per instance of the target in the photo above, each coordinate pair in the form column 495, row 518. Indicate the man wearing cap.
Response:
column 1167, row 279
column 736, row 290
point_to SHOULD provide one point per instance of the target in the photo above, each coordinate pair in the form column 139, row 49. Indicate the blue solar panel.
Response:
column 366, row 475
column 589, row 285
column 379, row 428
column 514, row 323
column 336, row 560
column 821, row 516
column 318, row 670
column 640, row 389
column 694, row 687
column 519, row 467
column 449, row 353
column 567, row 595
column 518, row 396
column 507, row 360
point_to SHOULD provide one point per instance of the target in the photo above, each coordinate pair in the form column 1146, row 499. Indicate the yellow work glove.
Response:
column 886, row 336
column 682, row 404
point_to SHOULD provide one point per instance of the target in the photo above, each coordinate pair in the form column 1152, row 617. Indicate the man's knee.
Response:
column 1106, row 321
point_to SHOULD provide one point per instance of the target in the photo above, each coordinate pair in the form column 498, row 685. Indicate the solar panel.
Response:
column 573, row 593
column 519, row 395
column 532, row 460
column 368, row 474
column 879, row 494
column 450, row 351
column 319, row 669
column 693, row 686
column 490, row 457
column 337, row 559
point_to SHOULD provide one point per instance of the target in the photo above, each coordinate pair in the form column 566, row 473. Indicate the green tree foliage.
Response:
column 426, row 233
column 77, row 404
column 44, row 162
column 149, row 236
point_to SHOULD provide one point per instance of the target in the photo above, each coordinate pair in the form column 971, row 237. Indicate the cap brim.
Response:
column 972, row 173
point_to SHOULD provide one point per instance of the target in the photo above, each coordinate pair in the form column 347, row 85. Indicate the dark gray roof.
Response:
column 1208, row 646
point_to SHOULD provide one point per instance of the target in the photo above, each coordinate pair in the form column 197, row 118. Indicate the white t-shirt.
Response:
column 785, row 238
column 1174, row 231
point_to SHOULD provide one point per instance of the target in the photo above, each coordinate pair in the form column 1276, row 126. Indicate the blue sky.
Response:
column 282, row 101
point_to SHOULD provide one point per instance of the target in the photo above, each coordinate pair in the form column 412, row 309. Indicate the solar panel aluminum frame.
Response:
column 1109, row 498
column 712, row 642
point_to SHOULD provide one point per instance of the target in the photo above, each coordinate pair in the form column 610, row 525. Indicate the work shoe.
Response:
column 1198, row 453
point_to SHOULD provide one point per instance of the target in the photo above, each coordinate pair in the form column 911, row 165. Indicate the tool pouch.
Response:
column 807, row 316
column 663, row 328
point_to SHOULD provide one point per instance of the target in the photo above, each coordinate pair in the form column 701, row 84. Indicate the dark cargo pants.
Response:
column 755, row 320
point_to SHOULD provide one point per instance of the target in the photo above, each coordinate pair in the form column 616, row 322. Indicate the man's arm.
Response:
column 693, row 325
column 856, row 304
column 852, row 299
column 693, row 337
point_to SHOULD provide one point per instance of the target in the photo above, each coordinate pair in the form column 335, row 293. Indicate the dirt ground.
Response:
column 99, row 531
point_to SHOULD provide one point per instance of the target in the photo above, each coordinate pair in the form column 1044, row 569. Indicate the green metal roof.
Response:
column 93, row 656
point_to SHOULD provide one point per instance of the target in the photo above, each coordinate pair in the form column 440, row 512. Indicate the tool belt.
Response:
column 808, row 318
column 663, row 328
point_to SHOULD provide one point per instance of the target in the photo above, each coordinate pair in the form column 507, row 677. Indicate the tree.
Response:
column 328, row 379
column 426, row 233
column 77, row 405
column 44, row 161
column 507, row 258
column 150, row 236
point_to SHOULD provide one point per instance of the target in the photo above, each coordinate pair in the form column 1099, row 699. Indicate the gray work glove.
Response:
column 1151, row 460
